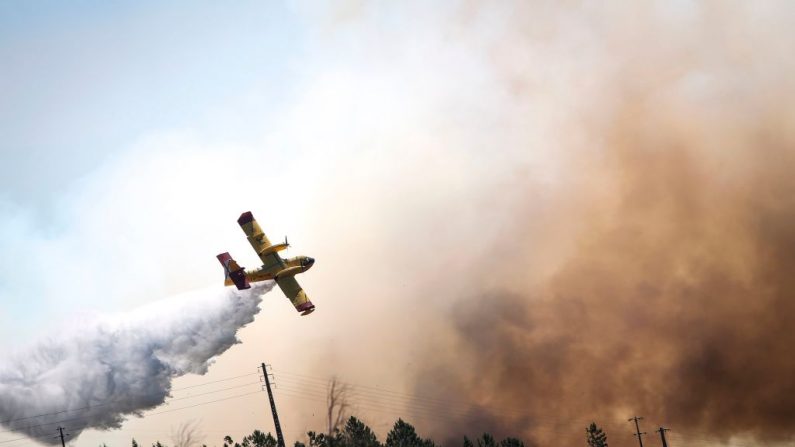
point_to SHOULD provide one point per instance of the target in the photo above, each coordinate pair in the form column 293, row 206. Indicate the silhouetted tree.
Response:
column 337, row 404
column 260, row 439
column 324, row 440
column 357, row 434
column 487, row 441
column 256, row 439
column 595, row 436
column 511, row 442
column 186, row 435
column 404, row 435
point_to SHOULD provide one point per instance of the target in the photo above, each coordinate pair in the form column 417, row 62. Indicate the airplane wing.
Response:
column 293, row 291
column 266, row 251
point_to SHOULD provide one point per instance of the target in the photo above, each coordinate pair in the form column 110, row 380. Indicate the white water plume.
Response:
column 120, row 365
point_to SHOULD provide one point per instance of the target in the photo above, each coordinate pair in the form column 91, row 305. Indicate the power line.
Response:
column 378, row 399
column 370, row 398
column 205, row 403
column 150, row 414
column 377, row 389
column 48, row 436
column 393, row 396
column 413, row 402
column 211, row 392
column 108, row 402
column 706, row 439
column 317, row 383
column 216, row 381
column 439, row 414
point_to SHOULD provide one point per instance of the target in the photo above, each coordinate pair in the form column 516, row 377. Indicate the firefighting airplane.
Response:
column 282, row 271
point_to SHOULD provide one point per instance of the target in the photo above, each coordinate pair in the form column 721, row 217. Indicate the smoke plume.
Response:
column 122, row 365
column 674, row 299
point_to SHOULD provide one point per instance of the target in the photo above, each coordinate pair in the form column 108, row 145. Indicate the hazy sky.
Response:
column 83, row 84
column 429, row 156
column 135, row 134
column 121, row 125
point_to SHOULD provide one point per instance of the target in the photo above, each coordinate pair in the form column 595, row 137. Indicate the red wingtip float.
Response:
column 274, row 267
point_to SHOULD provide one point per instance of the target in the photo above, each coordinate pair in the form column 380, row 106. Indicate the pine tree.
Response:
column 487, row 441
column 357, row 434
column 595, row 436
column 511, row 442
column 260, row 439
column 324, row 440
column 404, row 435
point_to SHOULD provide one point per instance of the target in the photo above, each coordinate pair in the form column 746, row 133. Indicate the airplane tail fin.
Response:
column 233, row 272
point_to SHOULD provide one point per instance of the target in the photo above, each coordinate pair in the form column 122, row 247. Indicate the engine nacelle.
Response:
column 273, row 249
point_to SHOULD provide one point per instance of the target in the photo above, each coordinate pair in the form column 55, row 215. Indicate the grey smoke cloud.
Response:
column 118, row 366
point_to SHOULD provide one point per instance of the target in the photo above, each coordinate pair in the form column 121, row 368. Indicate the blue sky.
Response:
column 81, row 80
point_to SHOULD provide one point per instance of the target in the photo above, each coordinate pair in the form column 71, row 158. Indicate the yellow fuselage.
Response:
column 290, row 266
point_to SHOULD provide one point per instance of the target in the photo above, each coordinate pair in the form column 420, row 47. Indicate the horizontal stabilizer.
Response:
column 233, row 271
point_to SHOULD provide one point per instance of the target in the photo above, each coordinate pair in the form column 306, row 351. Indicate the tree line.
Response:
column 355, row 433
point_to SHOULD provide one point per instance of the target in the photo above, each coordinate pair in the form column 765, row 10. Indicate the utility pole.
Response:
column 662, row 431
column 279, row 436
column 60, row 433
column 637, row 429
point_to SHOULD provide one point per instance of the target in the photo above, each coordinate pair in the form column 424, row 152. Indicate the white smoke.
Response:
column 121, row 365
